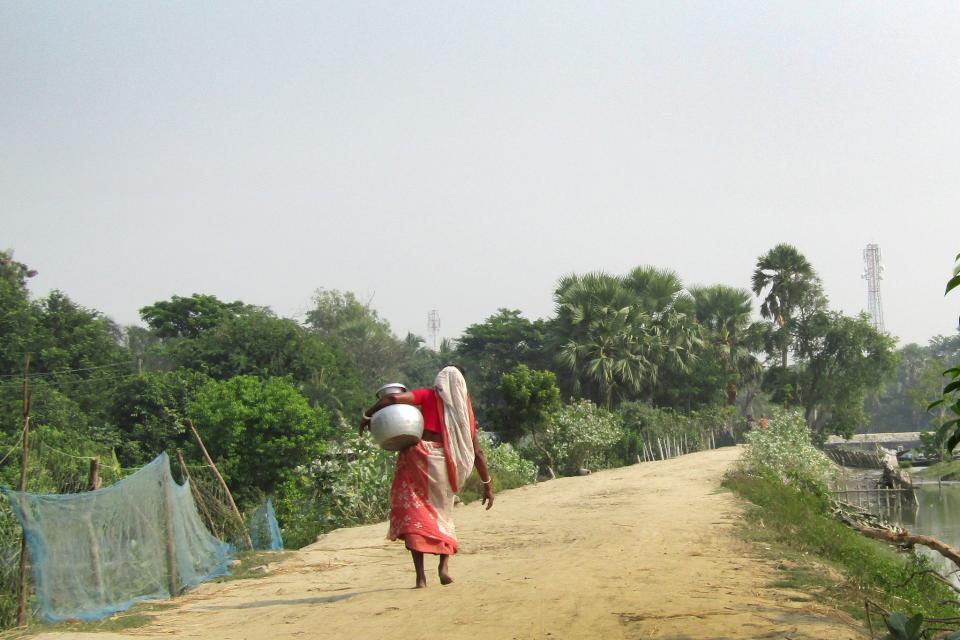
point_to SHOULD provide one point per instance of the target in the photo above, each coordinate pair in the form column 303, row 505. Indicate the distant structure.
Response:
column 873, row 274
column 433, row 327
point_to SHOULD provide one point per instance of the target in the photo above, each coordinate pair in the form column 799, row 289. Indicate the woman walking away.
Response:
column 430, row 474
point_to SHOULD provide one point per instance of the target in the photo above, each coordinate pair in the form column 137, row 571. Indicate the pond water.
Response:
column 936, row 514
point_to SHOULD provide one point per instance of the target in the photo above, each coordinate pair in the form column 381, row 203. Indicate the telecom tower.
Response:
column 433, row 326
column 873, row 274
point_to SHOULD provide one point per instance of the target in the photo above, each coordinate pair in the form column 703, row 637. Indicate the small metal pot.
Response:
column 389, row 389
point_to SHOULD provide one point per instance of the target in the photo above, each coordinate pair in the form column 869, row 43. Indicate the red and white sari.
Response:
column 429, row 474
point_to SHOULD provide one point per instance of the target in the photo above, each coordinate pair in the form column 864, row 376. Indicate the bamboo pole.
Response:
column 93, row 483
column 169, row 534
column 660, row 446
column 223, row 484
column 185, row 474
column 24, row 459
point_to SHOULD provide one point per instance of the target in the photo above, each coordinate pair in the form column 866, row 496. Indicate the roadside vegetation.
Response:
column 785, row 479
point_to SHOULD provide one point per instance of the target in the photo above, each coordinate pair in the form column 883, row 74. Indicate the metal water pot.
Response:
column 397, row 426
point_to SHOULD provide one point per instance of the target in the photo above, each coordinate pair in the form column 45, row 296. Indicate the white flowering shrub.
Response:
column 784, row 450
column 581, row 435
column 349, row 485
column 507, row 466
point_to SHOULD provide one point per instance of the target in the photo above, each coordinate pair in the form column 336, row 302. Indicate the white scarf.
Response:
column 452, row 389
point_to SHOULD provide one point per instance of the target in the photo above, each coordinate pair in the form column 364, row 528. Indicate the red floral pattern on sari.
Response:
column 421, row 501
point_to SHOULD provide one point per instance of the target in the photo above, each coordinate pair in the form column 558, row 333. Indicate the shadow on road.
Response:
column 297, row 601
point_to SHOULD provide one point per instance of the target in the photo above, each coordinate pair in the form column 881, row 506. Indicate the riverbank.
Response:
column 647, row 551
column 799, row 521
column 947, row 471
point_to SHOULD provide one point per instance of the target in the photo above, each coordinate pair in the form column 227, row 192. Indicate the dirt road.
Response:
column 646, row 551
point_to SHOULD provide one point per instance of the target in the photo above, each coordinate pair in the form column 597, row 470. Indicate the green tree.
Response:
column 376, row 354
column 495, row 346
column 902, row 403
column 181, row 317
column 839, row 359
column 661, row 295
column 149, row 413
column 70, row 336
column 420, row 364
column 17, row 318
column 658, row 290
column 256, row 342
column 601, row 338
column 80, row 352
column 258, row 431
column 611, row 346
column 790, row 282
column 724, row 313
column 530, row 397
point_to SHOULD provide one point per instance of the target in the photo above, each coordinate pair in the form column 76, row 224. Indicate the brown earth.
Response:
column 646, row 551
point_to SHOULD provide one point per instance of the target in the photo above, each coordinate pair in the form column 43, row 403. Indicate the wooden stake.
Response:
column 93, row 483
column 196, row 494
column 93, row 480
column 169, row 533
column 223, row 484
column 24, row 458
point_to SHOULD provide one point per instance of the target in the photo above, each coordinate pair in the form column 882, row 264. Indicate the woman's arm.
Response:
column 394, row 398
column 480, row 462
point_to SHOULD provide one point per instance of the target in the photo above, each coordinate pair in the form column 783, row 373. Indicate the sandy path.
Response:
column 645, row 551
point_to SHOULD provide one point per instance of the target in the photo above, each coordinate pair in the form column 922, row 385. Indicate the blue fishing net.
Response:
column 93, row 554
column 264, row 529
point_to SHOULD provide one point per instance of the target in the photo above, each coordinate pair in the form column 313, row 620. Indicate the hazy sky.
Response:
column 464, row 156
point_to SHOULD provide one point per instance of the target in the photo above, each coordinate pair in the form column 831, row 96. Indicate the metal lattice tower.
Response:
column 873, row 274
column 433, row 327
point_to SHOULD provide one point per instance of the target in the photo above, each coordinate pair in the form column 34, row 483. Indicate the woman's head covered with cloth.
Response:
column 459, row 424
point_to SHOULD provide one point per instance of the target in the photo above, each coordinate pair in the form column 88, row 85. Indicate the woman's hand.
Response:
column 364, row 424
column 487, row 496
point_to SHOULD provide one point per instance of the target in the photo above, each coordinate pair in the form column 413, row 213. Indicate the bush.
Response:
column 783, row 451
column 348, row 486
column 580, row 435
column 508, row 469
column 258, row 431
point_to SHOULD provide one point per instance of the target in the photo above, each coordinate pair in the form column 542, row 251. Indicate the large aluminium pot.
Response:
column 397, row 426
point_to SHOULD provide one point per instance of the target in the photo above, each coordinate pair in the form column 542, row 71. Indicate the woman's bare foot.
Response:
column 444, row 570
column 418, row 567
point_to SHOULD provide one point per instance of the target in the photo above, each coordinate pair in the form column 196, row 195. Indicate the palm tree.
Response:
column 602, row 341
column 724, row 313
column 658, row 290
column 787, row 276
column 616, row 334
column 662, row 295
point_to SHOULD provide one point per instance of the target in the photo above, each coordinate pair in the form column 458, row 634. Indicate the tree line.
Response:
column 624, row 359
